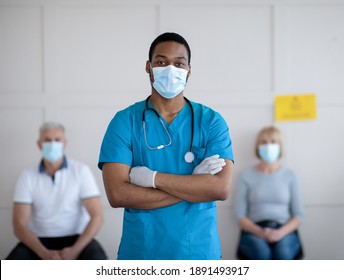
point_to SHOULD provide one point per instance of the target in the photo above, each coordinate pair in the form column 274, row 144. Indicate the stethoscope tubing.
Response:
column 158, row 116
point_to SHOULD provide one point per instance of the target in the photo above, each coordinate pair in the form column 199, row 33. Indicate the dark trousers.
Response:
column 93, row 251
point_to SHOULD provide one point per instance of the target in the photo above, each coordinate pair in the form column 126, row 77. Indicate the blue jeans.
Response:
column 254, row 248
column 93, row 251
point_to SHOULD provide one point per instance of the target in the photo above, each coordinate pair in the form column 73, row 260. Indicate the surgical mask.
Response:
column 169, row 81
column 52, row 151
column 269, row 153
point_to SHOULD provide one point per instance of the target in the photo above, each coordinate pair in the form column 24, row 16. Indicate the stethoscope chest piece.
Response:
column 189, row 157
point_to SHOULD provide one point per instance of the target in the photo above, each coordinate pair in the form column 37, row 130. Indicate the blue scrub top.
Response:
column 185, row 230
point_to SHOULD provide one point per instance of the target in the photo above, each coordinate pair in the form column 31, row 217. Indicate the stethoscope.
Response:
column 189, row 156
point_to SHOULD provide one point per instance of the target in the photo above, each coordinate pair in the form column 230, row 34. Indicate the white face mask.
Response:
column 269, row 153
column 52, row 151
column 169, row 81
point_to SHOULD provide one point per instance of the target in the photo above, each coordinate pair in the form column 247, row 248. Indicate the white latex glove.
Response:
column 142, row 176
column 210, row 165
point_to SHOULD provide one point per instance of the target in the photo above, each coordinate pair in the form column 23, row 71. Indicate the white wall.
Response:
column 78, row 62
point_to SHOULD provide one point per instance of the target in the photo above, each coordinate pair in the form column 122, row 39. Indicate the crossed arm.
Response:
column 170, row 188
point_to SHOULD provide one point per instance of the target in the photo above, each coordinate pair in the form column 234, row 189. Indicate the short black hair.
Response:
column 168, row 37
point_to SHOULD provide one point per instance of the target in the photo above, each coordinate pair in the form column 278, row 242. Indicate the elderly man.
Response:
column 57, row 209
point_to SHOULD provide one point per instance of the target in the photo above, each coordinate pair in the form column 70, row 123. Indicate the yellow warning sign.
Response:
column 295, row 107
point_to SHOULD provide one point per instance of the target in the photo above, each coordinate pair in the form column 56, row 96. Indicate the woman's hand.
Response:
column 273, row 235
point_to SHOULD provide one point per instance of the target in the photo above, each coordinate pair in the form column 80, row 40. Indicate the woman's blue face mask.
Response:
column 269, row 153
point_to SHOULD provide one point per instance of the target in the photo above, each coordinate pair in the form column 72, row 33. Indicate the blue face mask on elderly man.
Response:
column 52, row 151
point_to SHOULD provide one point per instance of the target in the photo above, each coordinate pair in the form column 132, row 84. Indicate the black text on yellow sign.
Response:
column 299, row 107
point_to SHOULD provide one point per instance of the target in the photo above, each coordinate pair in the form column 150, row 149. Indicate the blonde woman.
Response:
column 268, row 204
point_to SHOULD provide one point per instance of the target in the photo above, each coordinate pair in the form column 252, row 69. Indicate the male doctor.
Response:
column 167, row 161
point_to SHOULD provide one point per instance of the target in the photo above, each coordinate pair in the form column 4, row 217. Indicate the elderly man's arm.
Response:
column 94, row 208
column 21, row 217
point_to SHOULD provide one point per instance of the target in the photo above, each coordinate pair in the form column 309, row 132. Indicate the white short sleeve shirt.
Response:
column 57, row 208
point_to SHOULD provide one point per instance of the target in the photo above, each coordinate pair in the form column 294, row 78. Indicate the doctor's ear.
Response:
column 149, row 71
column 189, row 73
column 148, row 67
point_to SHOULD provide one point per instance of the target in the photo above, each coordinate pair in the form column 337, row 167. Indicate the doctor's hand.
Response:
column 142, row 176
column 210, row 165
